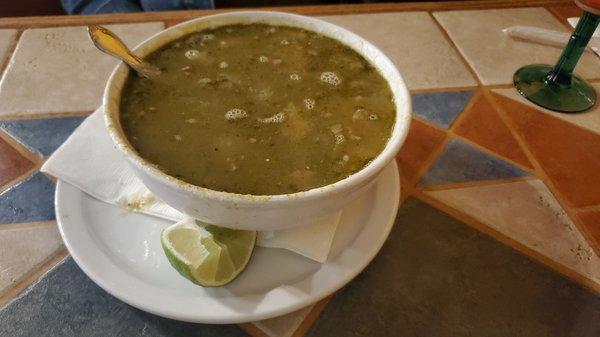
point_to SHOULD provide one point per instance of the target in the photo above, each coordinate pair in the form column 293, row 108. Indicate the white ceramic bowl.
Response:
column 249, row 211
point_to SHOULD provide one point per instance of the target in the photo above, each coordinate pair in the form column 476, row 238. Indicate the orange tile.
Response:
column 482, row 125
column 12, row 163
column 422, row 140
column 569, row 154
column 590, row 220
column 566, row 11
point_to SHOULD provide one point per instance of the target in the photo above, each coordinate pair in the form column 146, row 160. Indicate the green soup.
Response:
column 258, row 109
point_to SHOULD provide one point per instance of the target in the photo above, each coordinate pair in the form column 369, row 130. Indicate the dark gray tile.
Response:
column 436, row 276
column 440, row 108
column 461, row 162
column 30, row 200
column 42, row 135
column 66, row 302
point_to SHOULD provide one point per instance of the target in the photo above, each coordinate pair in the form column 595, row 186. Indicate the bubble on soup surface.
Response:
column 235, row 113
column 192, row 54
column 373, row 117
column 223, row 43
column 208, row 37
column 330, row 77
column 309, row 103
column 223, row 65
column 276, row 118
column 295, row 77
column 204, row 80
column 339, row 138
column 285, row 42
column 263, row 59
column 191, row 120
column 336, row 128
column 177, row 138
column 277, row 61
column 360, row 114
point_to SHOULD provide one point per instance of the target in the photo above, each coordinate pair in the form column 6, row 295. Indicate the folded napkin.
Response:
column 89, row 161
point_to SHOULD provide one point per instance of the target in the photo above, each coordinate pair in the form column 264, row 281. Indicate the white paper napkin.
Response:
column 89, row 161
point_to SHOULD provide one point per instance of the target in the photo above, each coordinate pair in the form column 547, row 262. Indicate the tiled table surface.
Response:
column 498, row 232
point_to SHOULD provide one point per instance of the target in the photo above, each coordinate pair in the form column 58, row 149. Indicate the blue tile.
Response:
column 440, row 108
column 460, row 162
column 30, row 200
column 66, row 303
column 42, row 135
column 435, row 276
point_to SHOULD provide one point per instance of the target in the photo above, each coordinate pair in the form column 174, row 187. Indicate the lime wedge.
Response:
column 206, row 254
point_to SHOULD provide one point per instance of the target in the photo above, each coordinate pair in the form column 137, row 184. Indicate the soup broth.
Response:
column 258, row 109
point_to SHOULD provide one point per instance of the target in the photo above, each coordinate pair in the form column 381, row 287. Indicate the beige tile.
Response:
column 23, row 248
column 283, row 326
column 414, row 43
column 59, row 70
column 588, row 119
column 494, row 56
column 527, row 212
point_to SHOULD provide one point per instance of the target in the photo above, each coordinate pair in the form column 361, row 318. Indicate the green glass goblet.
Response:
column 557, row 88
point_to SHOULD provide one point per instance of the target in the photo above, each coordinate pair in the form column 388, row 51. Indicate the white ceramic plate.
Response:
column 121, row 252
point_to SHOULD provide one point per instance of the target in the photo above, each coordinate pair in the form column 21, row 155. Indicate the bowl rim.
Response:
column 401, row 98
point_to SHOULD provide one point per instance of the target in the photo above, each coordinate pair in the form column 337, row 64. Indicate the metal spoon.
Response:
column 109, row 43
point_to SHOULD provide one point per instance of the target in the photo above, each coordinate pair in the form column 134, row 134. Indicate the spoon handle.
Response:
column 108, row 42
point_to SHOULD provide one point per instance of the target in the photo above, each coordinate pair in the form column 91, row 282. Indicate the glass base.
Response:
column 532, row 84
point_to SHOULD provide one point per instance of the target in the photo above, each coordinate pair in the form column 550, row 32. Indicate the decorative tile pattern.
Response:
column 568, row 154
column 588, row 119
column 283, row 326
column 435, row 276
column 67, row 303
column 23, row 248
column 590, row 220
column 36, row 83
column 494, row 56
column 440, row 108
column 397, row 34
column 42, row 136
column 421, row 142
column 29, row 201
column 461, row 162
column 12, row 163
column 527, row 212
column 482, row 125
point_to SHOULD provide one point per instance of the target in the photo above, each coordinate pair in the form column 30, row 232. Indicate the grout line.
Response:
column 465, row 111
column 19, row 147
column 312, row 316
column 552, row 113
column 476, row 183
column 26, row 225
column 10, row 53
column 455, row 48
column 6, row 187
column 508, row 241
column 252, row 330
column 45, row 115
column 443, row 89
column 591, row 208
column 430, row 160
column 13, row 291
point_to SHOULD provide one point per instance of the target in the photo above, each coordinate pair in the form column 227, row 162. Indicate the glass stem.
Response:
column 563, row 70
